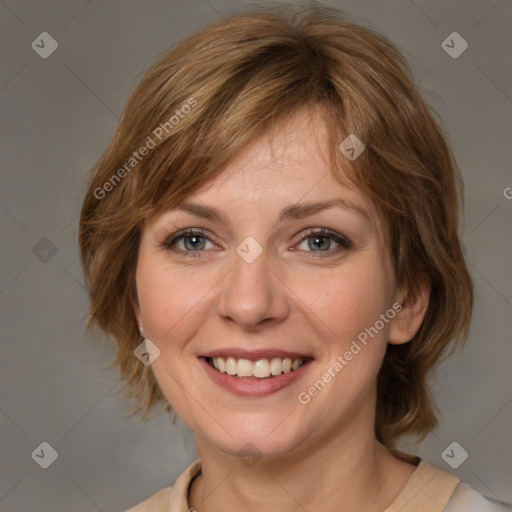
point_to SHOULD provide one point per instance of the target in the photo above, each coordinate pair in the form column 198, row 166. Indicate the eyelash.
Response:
column 344, row 242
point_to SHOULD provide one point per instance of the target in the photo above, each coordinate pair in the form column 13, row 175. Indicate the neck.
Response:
column 353, row 471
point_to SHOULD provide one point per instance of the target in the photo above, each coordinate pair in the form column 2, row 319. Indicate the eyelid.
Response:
column 170, row 240
column 323, row 231
column 340, row 239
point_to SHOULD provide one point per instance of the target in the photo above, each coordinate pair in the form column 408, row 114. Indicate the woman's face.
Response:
column 264, row 284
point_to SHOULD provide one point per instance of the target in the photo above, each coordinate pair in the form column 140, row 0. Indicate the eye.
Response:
column 190, row 241
column 193, row 241
column 321, row 241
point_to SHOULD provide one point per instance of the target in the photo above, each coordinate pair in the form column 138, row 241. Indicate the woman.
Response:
column 277, row 218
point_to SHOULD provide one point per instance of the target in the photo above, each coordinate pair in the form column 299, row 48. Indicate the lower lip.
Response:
column 246, row 386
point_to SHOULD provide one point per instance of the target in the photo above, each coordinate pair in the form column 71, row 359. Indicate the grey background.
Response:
column 58, row 115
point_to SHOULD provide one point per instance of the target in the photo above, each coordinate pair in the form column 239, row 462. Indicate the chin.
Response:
column 256, row 439
column 256, row 448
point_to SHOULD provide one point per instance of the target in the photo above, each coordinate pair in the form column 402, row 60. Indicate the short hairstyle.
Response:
column 212, row 94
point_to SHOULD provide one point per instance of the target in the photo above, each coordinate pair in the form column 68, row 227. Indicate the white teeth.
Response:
column 244, row 368
column 262, row 368
column 231, row 366
column 276, row 366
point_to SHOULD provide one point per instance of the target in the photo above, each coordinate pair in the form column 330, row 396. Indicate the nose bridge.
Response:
column 252, row 292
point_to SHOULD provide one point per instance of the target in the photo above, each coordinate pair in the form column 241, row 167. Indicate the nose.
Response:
column 253, row 294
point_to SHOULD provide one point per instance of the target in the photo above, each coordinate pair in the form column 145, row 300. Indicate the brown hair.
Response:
column 237, row 76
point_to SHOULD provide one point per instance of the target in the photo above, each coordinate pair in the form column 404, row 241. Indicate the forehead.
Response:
column 289, row 164
column 294, row 143
column 286, row 173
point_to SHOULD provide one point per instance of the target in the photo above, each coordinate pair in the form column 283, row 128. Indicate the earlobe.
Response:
column 138, row 314
column 408, row 320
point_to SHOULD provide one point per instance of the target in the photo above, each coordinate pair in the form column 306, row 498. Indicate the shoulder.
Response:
column 430, row 489
column 157, row 503
column 467, row 499
column 171, row 499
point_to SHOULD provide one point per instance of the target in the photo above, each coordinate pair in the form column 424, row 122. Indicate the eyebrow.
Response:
column 292, row 212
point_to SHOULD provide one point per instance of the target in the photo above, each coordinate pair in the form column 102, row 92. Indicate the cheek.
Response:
column 164, row 298
column 169, row 303
column 350, row 300
column 350, row 310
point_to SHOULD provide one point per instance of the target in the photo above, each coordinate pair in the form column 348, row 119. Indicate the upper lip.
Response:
column 254, row 355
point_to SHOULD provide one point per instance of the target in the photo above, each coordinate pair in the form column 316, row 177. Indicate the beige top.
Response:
column 428, row 490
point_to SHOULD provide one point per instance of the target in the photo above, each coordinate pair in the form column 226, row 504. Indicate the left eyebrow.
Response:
column 292, row 212
column 302, row 210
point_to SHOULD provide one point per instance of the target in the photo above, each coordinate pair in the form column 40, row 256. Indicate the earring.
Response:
column 410, row 330
column 141, row 330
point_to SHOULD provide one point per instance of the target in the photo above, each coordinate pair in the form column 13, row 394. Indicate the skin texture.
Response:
column 294, row 297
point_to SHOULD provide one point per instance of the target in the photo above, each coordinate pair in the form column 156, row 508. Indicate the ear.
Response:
column 406, row 323
column 136, row 310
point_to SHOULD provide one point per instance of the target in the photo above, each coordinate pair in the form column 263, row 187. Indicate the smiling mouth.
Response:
column 259, row 369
